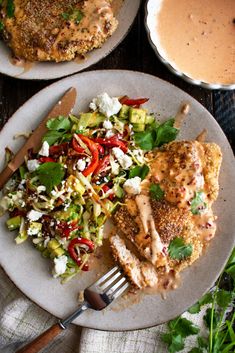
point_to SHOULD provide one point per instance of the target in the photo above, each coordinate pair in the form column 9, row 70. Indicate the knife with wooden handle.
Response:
column 63, row 107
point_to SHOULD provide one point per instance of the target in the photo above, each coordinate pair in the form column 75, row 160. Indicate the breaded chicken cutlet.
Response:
column 186, row 173
column 44, row 30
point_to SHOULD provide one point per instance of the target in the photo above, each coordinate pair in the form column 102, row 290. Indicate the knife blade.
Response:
column 62, row 107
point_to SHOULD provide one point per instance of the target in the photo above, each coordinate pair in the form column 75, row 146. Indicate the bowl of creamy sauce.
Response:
column 195, row 39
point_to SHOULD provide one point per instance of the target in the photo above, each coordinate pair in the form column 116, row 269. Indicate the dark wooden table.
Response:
column 134, row 53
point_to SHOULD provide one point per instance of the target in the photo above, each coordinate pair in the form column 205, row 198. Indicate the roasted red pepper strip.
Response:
column 105, row 188
column 100, row 148
column 46, row 159
column 76, row 146
column 112, row 142
column 103, row 163
column 95, row 155
column 59, row 149
column 73, row 253
column 66, row 228
column 133, row 102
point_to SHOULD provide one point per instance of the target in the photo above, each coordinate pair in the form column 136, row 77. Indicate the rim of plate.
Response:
column 84, row 65
column 51, row 86
column 148, row 20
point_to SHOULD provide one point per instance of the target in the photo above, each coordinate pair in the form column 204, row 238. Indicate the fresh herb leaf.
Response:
column 183, row 326
column 10, row 8
column 207, row 318
column 51, row 137
column 224, row 298
column 196, row 350
column 50, row 174
column 175, row 342
column 1, row 26
column 59, row 124
column 198, row 204
column 144, row 140
column 73, row 15
column 65, row 15
column 231, row 271
column 156, row 135
column 206, row 299
column 140, row 171
column 165, row 133
column 156, row 192
column 178, row 250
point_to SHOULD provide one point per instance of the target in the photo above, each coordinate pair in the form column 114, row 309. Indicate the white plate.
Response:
column 50, row 70
column 30, row 272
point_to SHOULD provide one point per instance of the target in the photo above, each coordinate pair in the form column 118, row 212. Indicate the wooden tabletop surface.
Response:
column 134, row 53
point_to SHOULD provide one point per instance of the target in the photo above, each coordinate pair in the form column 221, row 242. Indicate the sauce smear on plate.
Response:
column 198, row 38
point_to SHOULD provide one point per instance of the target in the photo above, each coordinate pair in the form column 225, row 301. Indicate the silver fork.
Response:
column 97, row 297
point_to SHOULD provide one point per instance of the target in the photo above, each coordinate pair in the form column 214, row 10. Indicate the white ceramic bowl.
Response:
column 152, row 9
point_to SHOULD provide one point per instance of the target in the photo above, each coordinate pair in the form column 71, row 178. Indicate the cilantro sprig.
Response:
column 179, row 250
column 74, row 15
column 140, row 171
column 156, row 135
column 50, row 174
column 10, row 8
column 58, row 128
column 156, row 192
column 197, row 204
column 219, row 319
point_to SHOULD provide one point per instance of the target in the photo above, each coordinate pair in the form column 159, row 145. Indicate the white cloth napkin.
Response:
column 21, row 321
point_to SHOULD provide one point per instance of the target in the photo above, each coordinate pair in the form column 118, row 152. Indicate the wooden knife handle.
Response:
column 42, row 341
column 5, row 176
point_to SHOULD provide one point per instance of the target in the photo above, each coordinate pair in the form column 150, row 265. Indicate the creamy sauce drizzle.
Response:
column 144, row 207
column 198, row 36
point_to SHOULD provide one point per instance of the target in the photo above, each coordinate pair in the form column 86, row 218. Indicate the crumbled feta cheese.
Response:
column 21, row 185
column 32, row 230
column 109, row 134
column 64, row 242
column 44, row 151
column 106, row 105
column 132, row 186
column 124, row 160
column 41, row 188
column 32, row 165
column 59, row 265
column 114, row 166
column 107, row 125
column 34, row 215
column 81, row 164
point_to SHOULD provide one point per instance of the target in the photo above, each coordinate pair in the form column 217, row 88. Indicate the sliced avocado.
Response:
column 137, row 116
column 21, row 237
column 149, row 119
column 74, row 183
column 13, row 223
column 57, row 252
column 73, row 212
column 124, row 112
column 138, row 127
column 90, row 120
column 46, row 253
column 53, row 244
column 40, row 247
column 34, row 228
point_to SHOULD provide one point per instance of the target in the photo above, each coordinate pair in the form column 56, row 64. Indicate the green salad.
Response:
column 61, row 196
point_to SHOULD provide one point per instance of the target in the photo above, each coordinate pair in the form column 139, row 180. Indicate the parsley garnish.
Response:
column 140, row 171
column 73, row 15
column 50, row 174
column 156, row 135
column 57, row 129
column 178, row 250
column 10, row 8
column 198, row 204
column 156, row 192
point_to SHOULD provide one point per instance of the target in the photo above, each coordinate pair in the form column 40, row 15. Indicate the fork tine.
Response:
column 112, row 280
column 106, row 275
column 113, row 289
column 121, row 290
